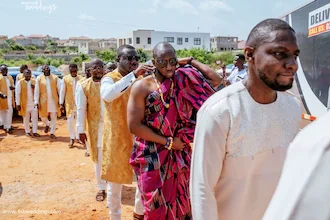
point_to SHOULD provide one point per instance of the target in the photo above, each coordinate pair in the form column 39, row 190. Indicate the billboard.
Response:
column 319, row 21
column 312, row 26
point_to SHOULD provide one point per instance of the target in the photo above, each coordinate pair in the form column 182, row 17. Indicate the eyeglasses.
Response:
column 130, row 58
column 163, row 63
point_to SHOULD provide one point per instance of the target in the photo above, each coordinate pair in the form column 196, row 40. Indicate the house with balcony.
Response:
column 147, row 39
column 97, row 45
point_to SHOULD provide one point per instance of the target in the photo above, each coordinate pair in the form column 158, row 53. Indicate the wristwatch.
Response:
column 191, row 59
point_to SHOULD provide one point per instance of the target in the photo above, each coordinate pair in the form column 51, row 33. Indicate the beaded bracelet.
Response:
column 169, row 143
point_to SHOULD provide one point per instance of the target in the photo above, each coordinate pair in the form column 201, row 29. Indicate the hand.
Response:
column 142, row 69
column 177, row 144
column 226, row 82
column 36, row 106
column 184, row 61
column 18, row 108
column 62, row 108
column 12, row 87
column 3, row 96
column 83, row 138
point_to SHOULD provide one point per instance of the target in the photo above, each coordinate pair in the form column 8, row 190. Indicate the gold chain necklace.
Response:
column 167, row 105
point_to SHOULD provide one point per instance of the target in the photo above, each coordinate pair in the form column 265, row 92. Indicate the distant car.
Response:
column 53, row 70
column 14, row 71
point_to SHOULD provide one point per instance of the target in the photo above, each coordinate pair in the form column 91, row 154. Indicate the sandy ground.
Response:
column 45, row 179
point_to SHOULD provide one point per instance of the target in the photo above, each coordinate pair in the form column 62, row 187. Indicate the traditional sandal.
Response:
column 137, row 216
column 100, row 196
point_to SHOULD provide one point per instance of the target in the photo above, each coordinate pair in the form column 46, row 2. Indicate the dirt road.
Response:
column 45, row 179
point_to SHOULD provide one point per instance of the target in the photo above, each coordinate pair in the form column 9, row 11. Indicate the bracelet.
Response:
column 169, row 143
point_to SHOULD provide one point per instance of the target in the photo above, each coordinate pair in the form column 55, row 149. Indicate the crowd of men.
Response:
column 145, row 118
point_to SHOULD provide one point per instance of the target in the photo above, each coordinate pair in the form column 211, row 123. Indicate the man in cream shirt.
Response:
column 46, row 98
column 243, row 131
column 25, row 103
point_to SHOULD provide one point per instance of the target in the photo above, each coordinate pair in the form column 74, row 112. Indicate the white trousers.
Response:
column 52, row 123
column 7, row 115
column 98, row 167
column 114, row 201
column 33, row 114
column 72, row 126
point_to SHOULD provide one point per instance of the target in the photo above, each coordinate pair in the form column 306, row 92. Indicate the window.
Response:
column 129, row 40
column 186, row 40
column 149, row 40
column 197, row 41
column 179, row 41
column 169, row 39
column 137, row 40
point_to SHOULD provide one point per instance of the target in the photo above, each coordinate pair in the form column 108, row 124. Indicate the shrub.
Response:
column 106, row 55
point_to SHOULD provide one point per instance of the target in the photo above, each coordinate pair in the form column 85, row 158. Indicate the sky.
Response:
column 117, row 18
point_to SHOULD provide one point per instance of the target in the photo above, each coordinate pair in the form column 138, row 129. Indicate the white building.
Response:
column 75, row 41
column 97, row 45
column 147, row 39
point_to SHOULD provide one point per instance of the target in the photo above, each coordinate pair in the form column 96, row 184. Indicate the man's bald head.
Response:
column 123, row 49
column 96, row 62
column 260, row 33
column 163, row 48
column 4, row 69
column 3, row 66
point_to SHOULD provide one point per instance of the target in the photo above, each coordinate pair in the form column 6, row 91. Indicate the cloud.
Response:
column 84, row 16
column 213, row 5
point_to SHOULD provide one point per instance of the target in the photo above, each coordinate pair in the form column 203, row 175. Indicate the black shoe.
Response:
column 52, row 136
column 46, row 129
column 9, row 131
column 1, row 126
column 71, row 143
column 36, row 135
column 28, row 135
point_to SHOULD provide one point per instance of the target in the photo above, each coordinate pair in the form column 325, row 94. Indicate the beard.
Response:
column 97, row 77
column 274, row 84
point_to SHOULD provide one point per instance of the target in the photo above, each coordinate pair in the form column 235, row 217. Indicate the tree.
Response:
column 51, row 45
column 31, row 56
column 144, row 56
column 9, row 43
column 106, row 55
column 17, row 47
column 31, row 47
column 81, row 58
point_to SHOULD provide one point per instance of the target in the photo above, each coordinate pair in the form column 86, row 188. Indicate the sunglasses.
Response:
column 163, row 63
column 130, row 58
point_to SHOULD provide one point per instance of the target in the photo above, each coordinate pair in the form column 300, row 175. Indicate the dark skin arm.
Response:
column 135, row 116
column 213, row 78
